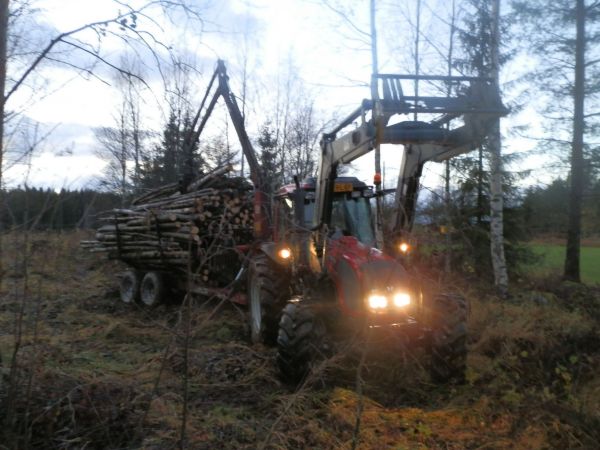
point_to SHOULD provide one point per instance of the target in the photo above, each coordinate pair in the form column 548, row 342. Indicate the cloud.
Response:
column 49, row 170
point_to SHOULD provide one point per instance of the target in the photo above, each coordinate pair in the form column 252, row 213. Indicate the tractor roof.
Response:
column 310, row 184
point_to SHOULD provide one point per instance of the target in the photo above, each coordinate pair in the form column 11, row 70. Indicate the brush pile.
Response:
column 171, row 230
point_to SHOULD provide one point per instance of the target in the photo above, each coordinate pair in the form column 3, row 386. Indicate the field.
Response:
column 553, row 259
column 90, row 372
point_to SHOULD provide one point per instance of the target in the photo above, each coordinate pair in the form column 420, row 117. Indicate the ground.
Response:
column 552, row 253
column 91, row 372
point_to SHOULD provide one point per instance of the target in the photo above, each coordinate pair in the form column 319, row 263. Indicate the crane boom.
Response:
column 222, row 89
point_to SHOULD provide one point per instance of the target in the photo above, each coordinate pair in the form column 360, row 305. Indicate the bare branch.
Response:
column 346, row 19
column 89, row 72
column 117, row 20
column 108, row 63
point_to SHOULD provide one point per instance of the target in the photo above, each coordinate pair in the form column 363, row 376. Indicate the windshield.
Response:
column 352, row 216
column 349, row 217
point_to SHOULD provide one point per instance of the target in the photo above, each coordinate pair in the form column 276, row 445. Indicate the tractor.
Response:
column 323, row 272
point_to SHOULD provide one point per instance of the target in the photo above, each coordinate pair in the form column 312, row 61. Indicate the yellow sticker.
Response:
column 342, row 187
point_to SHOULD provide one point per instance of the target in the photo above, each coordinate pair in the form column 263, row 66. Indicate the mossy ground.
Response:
column 94, row 373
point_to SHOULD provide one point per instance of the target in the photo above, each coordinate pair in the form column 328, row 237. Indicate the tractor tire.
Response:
column 268, row 293
column 449, row 339
column 129, row 287
column 152, row 289
column 300, row 342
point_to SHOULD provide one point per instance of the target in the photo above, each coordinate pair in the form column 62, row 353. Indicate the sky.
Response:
column 62, row 106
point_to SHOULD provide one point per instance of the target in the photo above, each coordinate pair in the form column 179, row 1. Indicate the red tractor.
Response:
column 323, row 272
column 299, row 304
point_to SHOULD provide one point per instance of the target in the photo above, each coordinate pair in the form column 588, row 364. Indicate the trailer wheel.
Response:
column 152, row 290
column 267, row 291
column 129, row 287
column 449, row 339
column 300, row 342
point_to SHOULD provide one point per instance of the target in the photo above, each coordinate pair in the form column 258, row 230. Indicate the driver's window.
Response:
column 338, row 218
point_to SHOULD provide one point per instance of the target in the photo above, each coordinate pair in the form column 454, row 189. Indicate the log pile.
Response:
column 168, row 230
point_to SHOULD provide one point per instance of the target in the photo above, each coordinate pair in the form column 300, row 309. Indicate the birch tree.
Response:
column 495, row 150
column 481, row 43
column 116, row 150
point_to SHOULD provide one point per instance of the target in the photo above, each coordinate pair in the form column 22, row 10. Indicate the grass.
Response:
column 532, row 379
column 553, row 260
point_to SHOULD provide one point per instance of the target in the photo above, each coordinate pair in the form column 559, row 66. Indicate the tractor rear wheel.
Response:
column 300, row 341
column 152, row 289
column 129, row 287
column 449, row 339
column 268, row 293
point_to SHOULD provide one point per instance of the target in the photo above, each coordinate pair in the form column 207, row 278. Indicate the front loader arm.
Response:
column 336, row 151
column 479, row 106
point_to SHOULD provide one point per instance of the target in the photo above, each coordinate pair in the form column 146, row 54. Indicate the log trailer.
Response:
column 314, row 269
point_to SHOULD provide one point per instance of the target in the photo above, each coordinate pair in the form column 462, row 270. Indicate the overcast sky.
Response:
column 324, row 50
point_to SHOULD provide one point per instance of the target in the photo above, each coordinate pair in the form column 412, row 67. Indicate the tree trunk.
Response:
column 496, row 198
column 123, row 157
column 496, row 212
column 480, row 186
column 3, row 39
column 375, row 95
column 448, row 219
column 577, row 182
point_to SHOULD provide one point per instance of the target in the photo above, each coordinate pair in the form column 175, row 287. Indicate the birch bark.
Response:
column 496, row 195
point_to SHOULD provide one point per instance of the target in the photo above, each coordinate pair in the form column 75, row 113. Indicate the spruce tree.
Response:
column 563, row 37
column 268, row 158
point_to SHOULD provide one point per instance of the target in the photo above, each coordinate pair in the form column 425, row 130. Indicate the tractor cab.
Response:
column 362, row 277
column 350, row 210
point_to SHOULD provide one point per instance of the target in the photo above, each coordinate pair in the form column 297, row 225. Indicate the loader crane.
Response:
column 165, row 235
column 218, row 87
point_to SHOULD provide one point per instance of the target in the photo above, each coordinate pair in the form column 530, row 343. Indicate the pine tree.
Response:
column 170, row 161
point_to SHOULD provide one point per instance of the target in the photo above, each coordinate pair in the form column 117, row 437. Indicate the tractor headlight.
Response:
column 401, row 299
column 377, row 301
column 284, row 253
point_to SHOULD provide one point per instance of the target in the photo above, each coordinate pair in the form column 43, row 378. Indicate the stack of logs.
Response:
column 169, row 230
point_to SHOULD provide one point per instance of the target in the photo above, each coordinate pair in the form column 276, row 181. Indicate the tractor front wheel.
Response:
column 300, row 341
column 268, row 292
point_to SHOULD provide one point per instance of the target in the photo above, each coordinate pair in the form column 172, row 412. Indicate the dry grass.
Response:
column 88, row 372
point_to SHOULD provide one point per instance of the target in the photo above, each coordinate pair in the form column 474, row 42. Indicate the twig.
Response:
column 359, row 391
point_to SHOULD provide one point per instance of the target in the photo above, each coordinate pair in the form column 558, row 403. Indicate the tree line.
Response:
column 45, row 209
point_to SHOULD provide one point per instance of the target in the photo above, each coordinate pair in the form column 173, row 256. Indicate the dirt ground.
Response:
column 91, row 372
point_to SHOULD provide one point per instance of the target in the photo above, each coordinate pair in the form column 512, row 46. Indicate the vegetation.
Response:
column 96, row 373
column 552, row 256
column 35, row 208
